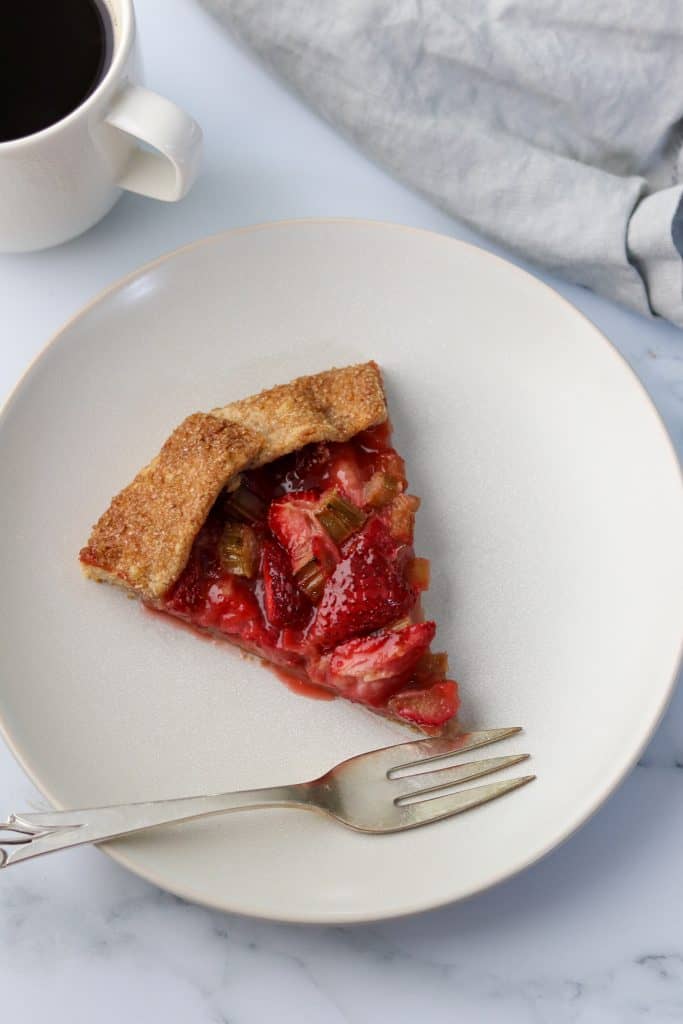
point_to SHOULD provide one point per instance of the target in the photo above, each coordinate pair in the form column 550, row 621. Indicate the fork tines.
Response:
column 422, row 788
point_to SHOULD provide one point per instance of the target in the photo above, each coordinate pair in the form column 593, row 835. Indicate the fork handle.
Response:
column 23, row 836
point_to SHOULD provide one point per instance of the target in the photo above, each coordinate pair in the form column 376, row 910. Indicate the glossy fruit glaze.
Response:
column 356, row 630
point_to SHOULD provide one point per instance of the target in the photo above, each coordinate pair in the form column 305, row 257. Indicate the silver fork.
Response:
column 384, row 790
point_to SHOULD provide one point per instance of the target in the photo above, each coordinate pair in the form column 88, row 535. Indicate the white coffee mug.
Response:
column 60, row 181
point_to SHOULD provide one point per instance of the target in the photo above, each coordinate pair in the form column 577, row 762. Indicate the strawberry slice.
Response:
column 285, row 605
column 371, row 668
column 347, row 476
column 428, row 709
column 349, row 481
column 352, row 468
column 232, row 607
column 311, row 468
column 189, row 592
column 366, row 591
column 292, row 520
column 383, row 655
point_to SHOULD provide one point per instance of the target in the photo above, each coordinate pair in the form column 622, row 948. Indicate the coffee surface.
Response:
column 53, row 54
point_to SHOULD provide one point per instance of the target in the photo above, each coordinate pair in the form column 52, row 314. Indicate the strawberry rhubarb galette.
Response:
column 281, row 523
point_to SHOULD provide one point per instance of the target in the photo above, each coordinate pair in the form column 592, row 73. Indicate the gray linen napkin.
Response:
column 552, row 126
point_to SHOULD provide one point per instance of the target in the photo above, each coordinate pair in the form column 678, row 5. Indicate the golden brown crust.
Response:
column 330, row 406
column 143, row 540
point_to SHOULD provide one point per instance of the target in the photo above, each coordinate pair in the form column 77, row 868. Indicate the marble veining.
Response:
column 81, row 917
column 593, row 934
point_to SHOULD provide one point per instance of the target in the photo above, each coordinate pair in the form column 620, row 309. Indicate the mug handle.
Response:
column 169, row 172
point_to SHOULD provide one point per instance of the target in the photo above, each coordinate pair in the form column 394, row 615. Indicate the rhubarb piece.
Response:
column 243, row 504
column 418, row 572
column 238, row 550
column 339, row 517
column 311, row 580
column 381, row 489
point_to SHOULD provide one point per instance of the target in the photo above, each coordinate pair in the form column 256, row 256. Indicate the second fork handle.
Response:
column 23, row 836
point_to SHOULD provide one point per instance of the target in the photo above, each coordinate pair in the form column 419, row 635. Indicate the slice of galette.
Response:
column 281, row 523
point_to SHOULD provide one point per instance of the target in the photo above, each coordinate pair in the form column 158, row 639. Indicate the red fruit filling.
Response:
column 284, row 603
column 368, row 588
column 308, row 562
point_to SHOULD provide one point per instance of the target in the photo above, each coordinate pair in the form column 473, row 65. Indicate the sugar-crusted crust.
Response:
column 330, row 406
column 143, row 540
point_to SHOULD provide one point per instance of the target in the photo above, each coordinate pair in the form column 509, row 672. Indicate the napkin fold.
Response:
column 552, row 126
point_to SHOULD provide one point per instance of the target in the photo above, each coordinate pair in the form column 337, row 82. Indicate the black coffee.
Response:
column 53, row 53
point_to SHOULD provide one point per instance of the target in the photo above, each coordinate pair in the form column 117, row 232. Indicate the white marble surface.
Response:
column 592, row 934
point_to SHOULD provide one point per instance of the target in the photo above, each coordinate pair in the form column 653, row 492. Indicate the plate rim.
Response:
column 614, row 779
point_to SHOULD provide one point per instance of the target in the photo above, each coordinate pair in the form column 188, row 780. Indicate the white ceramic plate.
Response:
column 552, row 511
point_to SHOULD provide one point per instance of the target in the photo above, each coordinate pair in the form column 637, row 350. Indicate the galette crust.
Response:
column 143, row 540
